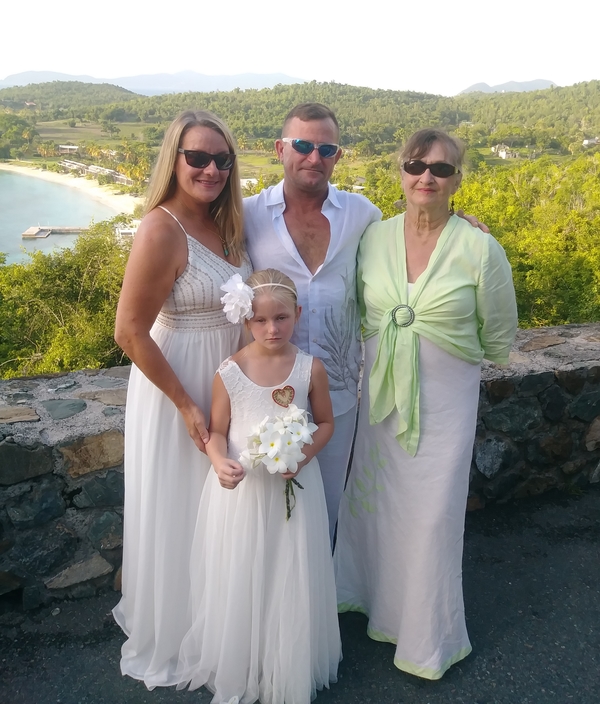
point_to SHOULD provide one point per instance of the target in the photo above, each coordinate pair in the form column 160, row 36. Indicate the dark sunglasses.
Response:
column 200, row 160
column 439, row 169
column 303, row 147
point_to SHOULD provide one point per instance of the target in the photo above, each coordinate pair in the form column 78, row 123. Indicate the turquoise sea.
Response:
column 26, row 201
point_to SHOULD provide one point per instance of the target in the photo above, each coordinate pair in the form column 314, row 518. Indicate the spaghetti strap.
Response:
column 162, row 207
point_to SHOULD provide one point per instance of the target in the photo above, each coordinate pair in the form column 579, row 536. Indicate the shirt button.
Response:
column 314, row 310
column 314, row 339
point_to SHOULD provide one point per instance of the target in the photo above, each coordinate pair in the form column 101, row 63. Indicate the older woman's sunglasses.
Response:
column 439, row 169
column 200, row 160
column 302, row 146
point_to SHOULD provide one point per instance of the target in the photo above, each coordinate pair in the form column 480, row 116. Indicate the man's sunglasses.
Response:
column 303, row 147
column 200, row 160
column 439, row 169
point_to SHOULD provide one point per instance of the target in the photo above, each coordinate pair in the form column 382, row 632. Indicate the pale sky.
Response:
column 435, row 47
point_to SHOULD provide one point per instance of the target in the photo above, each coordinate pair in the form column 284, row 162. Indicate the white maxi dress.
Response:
column 265, row 622
column 398, row 556
column 165, row 471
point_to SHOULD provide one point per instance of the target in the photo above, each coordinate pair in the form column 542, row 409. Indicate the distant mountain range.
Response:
column 159, row 83
column 510, row 87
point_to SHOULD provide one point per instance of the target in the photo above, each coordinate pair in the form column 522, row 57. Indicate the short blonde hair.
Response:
column 276, row 284
column 419, row 143
column 226, row 209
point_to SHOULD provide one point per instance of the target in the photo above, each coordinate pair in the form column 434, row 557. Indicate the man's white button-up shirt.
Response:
column 329, row 327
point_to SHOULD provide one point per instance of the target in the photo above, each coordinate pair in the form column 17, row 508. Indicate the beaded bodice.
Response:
column 194, row 302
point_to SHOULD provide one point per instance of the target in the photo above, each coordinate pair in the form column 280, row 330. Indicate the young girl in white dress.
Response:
column 264, row 613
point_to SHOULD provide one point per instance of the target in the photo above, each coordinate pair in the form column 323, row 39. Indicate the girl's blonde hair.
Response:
column 226, row 209
column 276, row 284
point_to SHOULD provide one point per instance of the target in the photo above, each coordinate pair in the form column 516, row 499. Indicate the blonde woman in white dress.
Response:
column 171, row 324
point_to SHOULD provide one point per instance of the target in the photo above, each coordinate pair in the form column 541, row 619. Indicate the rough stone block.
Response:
column 518, row 420
column 572, row 380
column 40, row 505
column 105, row 382
column 572, row 467
column 9, row 582
column 541, row 342
column 119, row 372
column 553, row 402
column 93, row 453
column 586, row 407
column 101, row 491
column 61, row 408
column 533, row 384
column 19, row 463
column 535, row 485
column 594, row 375
column 550, row 448
column 494, row 454
column 17, row 414
column 109, row 397
column 34, row 595
column 106, row 532
column 95, row 566
column 41, row 550
column 592, row 437
column 499, row 389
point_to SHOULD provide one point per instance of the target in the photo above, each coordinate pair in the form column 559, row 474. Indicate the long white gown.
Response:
column 398, row 557
column 263, row 593
column 165, row 472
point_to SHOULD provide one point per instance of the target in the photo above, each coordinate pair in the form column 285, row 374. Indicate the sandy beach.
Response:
column 120, row 203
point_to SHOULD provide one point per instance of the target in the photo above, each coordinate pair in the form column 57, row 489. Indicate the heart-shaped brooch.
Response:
column 283, row 397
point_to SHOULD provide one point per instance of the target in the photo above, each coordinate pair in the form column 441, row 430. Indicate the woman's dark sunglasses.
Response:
column 303, row 147
column 438, row 169
column 200, row 160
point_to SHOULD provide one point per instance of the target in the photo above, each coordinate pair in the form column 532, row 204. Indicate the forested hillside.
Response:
column 58, row 310
column 557, row 116
column 62, row 96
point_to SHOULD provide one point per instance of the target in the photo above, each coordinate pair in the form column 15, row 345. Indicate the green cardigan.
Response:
column 464, row 302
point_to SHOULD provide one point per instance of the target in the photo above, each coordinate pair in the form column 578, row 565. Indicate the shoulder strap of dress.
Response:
column 304, row 367
column 162, row 207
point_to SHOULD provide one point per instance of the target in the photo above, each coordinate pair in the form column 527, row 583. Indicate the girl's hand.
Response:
column 230, row 472
column 291, row 475
column 196, row 425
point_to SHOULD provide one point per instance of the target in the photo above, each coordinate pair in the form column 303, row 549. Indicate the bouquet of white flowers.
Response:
column 278, row 445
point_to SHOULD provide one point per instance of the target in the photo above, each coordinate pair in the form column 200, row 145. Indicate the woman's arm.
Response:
column 158, row 256
column 322, row 413
column 496, row 304
column 229, row 471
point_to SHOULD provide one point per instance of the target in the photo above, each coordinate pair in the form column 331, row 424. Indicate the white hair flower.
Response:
column 237, row 301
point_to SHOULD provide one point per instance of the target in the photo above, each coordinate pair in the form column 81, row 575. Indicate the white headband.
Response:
column 237, row 301
column 289, row 288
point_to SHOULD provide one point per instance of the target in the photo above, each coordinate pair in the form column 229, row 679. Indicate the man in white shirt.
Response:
column 308, row 229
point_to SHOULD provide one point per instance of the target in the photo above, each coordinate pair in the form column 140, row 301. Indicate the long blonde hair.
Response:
column 226, row 209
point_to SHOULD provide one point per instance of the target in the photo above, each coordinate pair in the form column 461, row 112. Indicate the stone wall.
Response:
column 61, row 455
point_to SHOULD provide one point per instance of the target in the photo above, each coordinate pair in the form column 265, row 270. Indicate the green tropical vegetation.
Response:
column 544, row 206
column 58, row 309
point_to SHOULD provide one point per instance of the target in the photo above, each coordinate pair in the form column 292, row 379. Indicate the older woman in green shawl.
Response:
column 436, row 298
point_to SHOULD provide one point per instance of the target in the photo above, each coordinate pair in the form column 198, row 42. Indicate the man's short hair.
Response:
column 310, row 111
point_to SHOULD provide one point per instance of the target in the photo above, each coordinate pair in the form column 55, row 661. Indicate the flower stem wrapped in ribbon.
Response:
column 278, row 445
column 237, row 301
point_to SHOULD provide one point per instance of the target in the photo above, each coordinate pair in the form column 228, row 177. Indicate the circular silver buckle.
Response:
column 411, row 315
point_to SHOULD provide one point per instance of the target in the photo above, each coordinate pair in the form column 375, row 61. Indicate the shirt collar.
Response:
column 275, row 196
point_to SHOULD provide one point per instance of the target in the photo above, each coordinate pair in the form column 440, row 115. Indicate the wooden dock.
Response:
column 37, row 232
